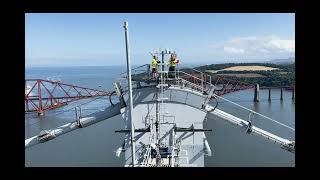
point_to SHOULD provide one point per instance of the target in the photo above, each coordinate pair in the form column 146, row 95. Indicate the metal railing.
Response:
column 137, row 70
column 192, row 78
column 197, row 80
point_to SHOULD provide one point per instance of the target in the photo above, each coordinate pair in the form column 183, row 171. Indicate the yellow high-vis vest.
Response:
column 154, row 63
column 172, row 62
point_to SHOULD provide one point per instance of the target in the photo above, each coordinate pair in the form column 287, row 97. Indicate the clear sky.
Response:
column 98, row 39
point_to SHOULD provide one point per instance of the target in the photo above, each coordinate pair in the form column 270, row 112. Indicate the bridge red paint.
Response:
column 45, row 94
column 230, row 86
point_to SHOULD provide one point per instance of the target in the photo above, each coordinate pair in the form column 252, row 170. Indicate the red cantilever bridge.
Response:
column 44, row 95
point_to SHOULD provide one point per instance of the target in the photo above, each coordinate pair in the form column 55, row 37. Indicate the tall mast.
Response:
column 130, row 92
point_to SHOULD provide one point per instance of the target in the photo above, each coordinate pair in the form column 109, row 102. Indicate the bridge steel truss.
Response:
column 46, row 94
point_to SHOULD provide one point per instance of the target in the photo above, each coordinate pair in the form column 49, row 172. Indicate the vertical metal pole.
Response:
column 77, row 117
column 26, row 100
column 293, row 89
column 161, row 95
column 178, row 71
column 157, row 124
column 162, row 59
column 40, row 98
column 175, row 72
column 269, row 97
column 205, row 81
column 256, row 93
column 281, row 94
column 130, row 93
column 157, row 117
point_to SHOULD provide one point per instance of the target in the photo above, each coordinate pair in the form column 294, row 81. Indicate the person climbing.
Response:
column 173, row 61
column 154, row 64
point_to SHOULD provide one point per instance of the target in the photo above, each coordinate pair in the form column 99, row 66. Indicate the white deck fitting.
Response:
column 241, row 122
column 88, row 120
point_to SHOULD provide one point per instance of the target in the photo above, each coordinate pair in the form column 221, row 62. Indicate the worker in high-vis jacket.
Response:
column 173, row 61
column 154, row 64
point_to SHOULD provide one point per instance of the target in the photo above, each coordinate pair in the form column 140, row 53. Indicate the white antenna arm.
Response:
column 130, row 92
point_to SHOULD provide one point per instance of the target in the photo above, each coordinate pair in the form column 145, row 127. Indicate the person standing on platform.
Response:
column 154, row 64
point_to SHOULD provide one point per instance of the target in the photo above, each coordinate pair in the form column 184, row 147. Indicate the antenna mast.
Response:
column 130, row 92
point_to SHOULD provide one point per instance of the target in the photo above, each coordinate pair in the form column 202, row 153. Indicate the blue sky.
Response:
column 82, row 39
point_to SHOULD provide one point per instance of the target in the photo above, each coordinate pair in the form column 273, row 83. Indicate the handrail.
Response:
column 193, row 84
column 190, row 75
column 198, row 71
column 136, row 68
column 205, row 82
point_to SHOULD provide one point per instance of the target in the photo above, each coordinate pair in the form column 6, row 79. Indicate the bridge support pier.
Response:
column 281, row 94
column 256, row 93
column 293, row 91
column 269, row 96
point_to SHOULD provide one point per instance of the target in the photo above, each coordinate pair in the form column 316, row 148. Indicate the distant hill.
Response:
column 282, row 72
column 282, row 61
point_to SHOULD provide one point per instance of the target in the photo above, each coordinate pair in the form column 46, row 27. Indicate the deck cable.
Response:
column 256, row 112
column 253, row 112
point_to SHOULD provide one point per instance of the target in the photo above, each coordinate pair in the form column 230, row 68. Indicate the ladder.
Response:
column 161, row 85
